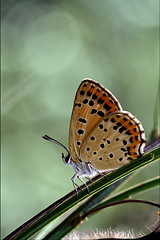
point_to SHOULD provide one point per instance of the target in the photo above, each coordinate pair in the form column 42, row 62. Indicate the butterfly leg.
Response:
column 75, row 185
column 89, row 179
column 84, row 183
column 100, row 173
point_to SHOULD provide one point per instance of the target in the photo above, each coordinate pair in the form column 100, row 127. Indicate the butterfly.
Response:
column 102, row 137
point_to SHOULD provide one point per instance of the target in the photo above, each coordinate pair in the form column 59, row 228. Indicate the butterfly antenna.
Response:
column 46, row 137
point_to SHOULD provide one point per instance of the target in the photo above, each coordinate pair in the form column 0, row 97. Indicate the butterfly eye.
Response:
column 66, row 159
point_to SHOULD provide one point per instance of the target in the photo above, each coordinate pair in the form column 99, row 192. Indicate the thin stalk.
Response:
column 85, row 210
column 121, row 202
column 126, row 194
column 35, row 224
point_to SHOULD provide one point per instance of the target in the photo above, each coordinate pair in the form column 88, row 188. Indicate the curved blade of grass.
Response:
column 35, row 224
column 127, row 193
column 85, row 209
column 92, row 200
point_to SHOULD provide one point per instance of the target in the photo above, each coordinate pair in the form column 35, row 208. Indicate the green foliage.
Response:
column 57, row 209
column 48, row 47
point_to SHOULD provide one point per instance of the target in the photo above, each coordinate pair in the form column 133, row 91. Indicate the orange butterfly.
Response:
column 101, row 136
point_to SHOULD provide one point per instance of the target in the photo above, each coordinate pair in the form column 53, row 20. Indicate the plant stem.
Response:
column 85, row 210
column 55, row 210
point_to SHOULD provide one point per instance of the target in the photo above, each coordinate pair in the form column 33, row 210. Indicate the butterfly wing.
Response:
column 92, row 102
column 115, row 140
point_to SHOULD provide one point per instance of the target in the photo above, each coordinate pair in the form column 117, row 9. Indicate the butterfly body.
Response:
column 102, row 136
column 82, row 169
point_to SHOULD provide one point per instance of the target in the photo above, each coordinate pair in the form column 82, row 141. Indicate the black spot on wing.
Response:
column 102, row 145
column 100, row 126
column 93, row 111
column 85, row 101
column 82, row 120
column 89, row 93
column 128, row 132
column 131, row 139
column 94, row 97
column 82, row 92
column 123, row 149
column 122, row 129
column 124, row 142
column 100, row 113
column 106, row 106
column 106, row 119
column 91, row 103
column 92, row 138
column 113, row 120
column 125, row 119
column 80, row 131
column 100, row 101
column 119, row 124
column 136, row 137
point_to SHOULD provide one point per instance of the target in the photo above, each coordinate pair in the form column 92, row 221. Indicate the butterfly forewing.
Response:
column 92, row 102
column 115, row 140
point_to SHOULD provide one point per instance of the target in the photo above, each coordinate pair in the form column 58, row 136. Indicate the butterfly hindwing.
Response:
column 115, row 140
column 92, row 102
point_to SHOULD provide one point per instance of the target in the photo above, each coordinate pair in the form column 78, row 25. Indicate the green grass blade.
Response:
column 34, row 226
column 79, row 215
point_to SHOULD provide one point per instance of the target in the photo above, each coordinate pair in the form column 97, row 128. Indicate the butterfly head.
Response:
column 66, row 159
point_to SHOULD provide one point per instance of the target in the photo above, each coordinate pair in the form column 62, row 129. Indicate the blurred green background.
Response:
column 48, row 47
